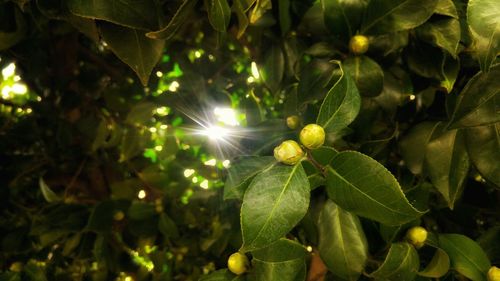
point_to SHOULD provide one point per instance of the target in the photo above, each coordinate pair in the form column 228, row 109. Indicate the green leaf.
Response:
column 284, row 14
column 466, row 256
column 443, row 33
column 133, row 48
column 280, row 251
column 449, row 71
column 9, row 39
column 483, row 146
column 167, row 226
column 343, row 17
column 367, row 74
column 101, row 218
column 243, row 22
column 438, row 266
column 447, row 163
column 130, row 13
column 221, row 275
column 342, row 242
column 479, row 101
column 132, row 144
column 401, row 263
column 414, row 144
column 387, row 16
column 361, row 185
column 483, row 17
column 315, row 79
column 340, row 106
column 141, row 211
column 274, row 67
column 179, row 18
column 283, row 260
column 276, row 200
column 141, row 113
column 242, row 172
column 446, row 8
column 219, row 14
column 49, row 195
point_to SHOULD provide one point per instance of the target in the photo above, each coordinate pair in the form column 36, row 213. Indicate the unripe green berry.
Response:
column 359, row 44
column 238, row 263
column 312, row 136
column 293, row 122
column 16, row 266
column 493, row 274
column 416, row 236
column 118, row 216
column 288, row 152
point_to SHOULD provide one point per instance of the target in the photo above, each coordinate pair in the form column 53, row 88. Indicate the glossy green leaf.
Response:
column 241, row 173
column 414, row 144
column 444, row 33
column 340, row 106
column 386, row 16
column 483, row 146
column 219, row 14
column 483, row 17
column 274, row 67
column 367, row 74
column 315, row 78
column 361, row 185
column 283, row 260
column 221, row 275
column 133, row 48
column 9, row 39
column 168, row 227
column 342, row 242
column 280, row 251
column 179, row 18
column 49, row 195
column 401, row 263
column 447, row 163
column 141, row 211
column 276, row 200
column 123, row 12
column 449, row 69
column 446, row 8
column 101, row 218
column 466, row 256
column 438, row 266
column 284, row 15
column 479, row 101
column 343, row 17
column 141, row 113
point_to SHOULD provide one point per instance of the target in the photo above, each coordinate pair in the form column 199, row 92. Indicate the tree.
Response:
column 138, row 139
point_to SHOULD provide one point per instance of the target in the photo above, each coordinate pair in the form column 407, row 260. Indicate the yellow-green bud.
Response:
column 118, row 216
column 293, row 122
column 416, row 236
column 238, row 263
column 312, row 136
column 288, row 152
column 493, row 274
column 16, row 266
column 359, row 44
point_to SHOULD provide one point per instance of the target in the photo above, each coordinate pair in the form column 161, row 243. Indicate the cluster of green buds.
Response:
column 290, row 152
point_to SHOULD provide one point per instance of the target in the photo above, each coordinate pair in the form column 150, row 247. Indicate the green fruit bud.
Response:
column 238, row 263
column 16, row 266
column 312, row 136
column 288, row 152
column 416, row 236
column 118, row 216
column 293, row 122
column 359, row 44
column 493, row 274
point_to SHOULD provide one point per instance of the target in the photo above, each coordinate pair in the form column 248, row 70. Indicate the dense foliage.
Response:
column 139, row 140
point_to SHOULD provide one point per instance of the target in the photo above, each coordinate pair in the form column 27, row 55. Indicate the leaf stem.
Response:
column 315, row 163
